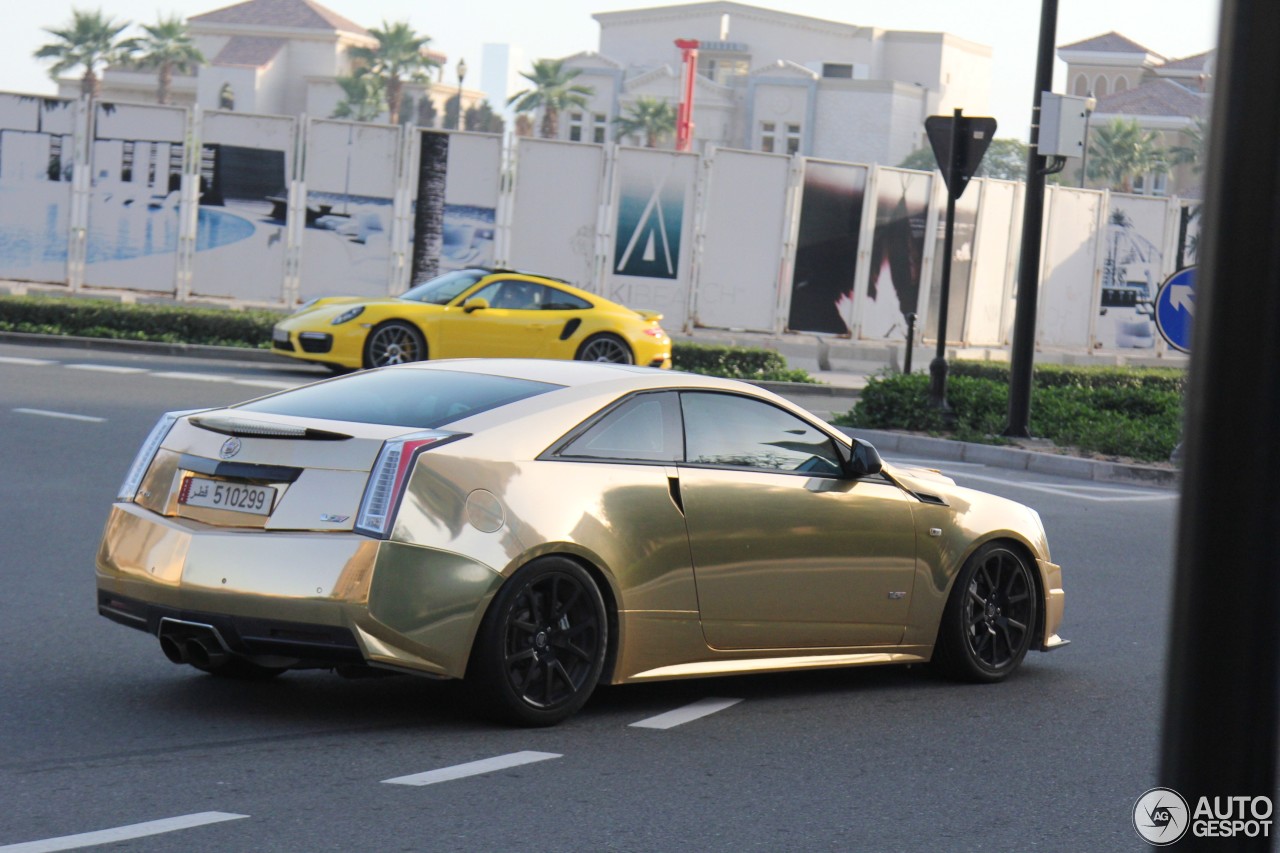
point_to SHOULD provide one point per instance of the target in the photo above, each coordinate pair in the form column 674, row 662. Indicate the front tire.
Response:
column 394, row 342
column 610, row 348
column 989, row 619
column 541, row 647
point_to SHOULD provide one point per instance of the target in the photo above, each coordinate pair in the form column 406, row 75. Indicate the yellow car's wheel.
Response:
column 989, row 619
column 394, row 342
column 542, row 645
column 605, row 347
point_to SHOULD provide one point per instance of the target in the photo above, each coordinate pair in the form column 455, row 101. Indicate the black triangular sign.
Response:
column 976, row 133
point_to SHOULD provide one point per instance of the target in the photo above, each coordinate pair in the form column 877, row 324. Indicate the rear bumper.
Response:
column 316, row 596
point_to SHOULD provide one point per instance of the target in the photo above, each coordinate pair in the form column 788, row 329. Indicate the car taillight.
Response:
column 655, row 332
column 387, row 480
column 141, row 462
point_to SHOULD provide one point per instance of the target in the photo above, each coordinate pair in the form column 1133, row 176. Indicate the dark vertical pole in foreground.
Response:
column 938, row 367
column 1024, row 320
column 1220, row 735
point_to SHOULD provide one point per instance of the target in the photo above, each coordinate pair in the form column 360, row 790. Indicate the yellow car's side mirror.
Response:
column 476, row 304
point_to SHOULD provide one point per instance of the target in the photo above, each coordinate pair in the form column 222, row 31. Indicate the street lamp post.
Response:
column 462, row 75
column 1089, row 104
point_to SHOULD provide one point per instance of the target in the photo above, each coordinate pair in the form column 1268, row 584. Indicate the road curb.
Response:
column 1017, row 459
column 262, row 356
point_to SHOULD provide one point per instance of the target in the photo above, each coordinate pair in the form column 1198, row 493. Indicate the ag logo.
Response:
column 1161, row 816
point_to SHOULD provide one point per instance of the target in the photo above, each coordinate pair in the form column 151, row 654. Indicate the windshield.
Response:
column 425, row 399
column 443, row 289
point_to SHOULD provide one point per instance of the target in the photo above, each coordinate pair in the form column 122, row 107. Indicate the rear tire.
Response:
column 605, row 347
column 541, row 647
column 990, row 616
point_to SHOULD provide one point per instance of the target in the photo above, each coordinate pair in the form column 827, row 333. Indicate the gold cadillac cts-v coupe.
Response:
column 540, row 527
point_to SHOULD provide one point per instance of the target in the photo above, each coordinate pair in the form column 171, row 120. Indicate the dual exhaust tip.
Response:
column 191, row 643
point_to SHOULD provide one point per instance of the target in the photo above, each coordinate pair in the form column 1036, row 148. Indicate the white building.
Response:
column 272, row 57
column 775, row 81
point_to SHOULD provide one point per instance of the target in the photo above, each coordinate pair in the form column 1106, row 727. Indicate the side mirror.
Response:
column 864, row 460
column 475, row 304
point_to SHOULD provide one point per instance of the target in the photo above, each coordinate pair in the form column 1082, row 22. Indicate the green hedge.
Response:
column 749, row 363
column 1135, row 413
column 103, row 318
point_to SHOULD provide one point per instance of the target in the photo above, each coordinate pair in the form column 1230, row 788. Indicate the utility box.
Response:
column 1063, row 120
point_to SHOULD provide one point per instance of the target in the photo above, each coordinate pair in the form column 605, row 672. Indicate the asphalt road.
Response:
column 98, row 731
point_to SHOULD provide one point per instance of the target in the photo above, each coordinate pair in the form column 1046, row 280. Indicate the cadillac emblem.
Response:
column 230, row 448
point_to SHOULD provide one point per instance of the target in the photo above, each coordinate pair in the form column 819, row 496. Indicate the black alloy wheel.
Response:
column 542, row 645
column 990, row 617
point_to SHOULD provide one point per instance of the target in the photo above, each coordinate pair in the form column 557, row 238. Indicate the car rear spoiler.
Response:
column 647, row 314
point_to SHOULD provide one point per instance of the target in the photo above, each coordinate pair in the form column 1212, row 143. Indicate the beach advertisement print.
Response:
column 36, row 155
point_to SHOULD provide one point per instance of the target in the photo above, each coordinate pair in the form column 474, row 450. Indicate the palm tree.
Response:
column 552, row 91
column 91, row 41
column 167, row 47
column 364, row 97
column 400, row 52
column 1193, row 151
column 1121, row 151
column 652, row 118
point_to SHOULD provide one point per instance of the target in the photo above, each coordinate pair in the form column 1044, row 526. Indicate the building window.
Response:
column 838, row 71
column 227, row 97
column 1160, row 183
column 599, row 128
column 1121, row 84
column 793, row 138
column 722, row 70
column 1100, row 87
column 768, row 136
column 1082, row 85
column 575, row 127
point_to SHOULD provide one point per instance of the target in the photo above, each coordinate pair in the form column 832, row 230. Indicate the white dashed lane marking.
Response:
column 474, row 768
column 687, row 714
column 1104, row 494
column 265, row 383
column 196, row 377
column 107, row 368
column 31, row 362
column 122, row 833
column 66, row 416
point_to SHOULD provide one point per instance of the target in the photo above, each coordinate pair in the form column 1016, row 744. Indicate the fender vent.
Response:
column 926, row 498
column 569, row 328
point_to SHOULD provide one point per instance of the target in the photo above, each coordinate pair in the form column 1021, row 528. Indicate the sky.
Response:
column 552, row 28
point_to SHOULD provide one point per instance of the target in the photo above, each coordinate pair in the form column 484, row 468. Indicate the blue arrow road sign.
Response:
column 1175, row 308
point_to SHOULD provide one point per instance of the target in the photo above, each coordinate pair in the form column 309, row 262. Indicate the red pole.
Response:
column 684, row 115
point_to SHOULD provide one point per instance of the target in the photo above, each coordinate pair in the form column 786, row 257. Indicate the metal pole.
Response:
column 938, row 367
column 911, row 342
column 1221, row 701
column 1084, row 154
column 1024, row 319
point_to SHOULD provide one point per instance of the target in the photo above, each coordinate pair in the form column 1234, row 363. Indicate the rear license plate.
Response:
column 237, row 497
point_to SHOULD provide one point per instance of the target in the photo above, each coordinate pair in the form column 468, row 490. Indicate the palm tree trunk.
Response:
column 550, row 123
column 393, row 98
column 165, row 82
column 428, row 217
column 89, row 84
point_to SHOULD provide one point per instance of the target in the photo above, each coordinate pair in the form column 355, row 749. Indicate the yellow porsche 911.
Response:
column 473, row 313
column 540, row 527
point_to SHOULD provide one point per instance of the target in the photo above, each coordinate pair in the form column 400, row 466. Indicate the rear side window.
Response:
column 424, row 399
column 643, row 428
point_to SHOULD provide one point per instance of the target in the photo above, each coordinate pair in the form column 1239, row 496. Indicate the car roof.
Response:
column 578, row 373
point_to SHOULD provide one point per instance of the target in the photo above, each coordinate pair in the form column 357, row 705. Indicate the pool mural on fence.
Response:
column 244, row 201
column 36, row 142
column 351, row 185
